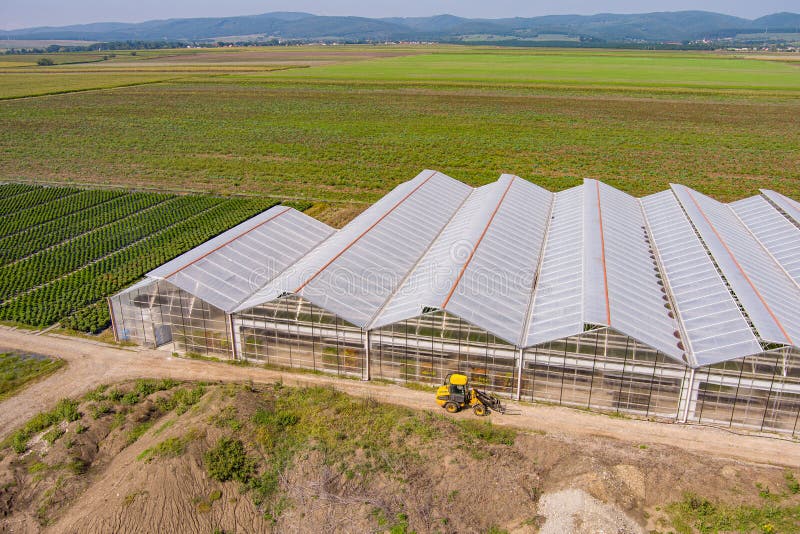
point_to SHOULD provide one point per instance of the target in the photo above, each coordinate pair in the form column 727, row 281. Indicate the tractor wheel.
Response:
column 480, row 410
column 451, row 407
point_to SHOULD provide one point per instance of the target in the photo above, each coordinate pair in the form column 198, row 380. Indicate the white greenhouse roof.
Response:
column 355, row 271
column 770, row 297
column 481, row 268
column 712, row 322
column 699, row 280
column 557, row 307
column 230, row 267
column 776, row 233
column 790, row 207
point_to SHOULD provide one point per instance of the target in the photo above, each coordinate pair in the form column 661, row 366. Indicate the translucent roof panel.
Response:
column 354, row 272
column 768, row 294
column 135, row 287
column 714, row 326
column 493, row 285
column 773, row 230
column 430, row 281
column 621, row 282
column 789, row 206
column 230, row 267
column 557, row 307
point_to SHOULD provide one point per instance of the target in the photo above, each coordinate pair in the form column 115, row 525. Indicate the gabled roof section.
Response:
column 769, row 296
column 358, row 268
column 428, row 284
column 710, row 318
column 557, row 306
column 230, row 267
column 621, row 279
column 493, row 285
column 482, row 265
column 776, row 233
column 789, row 206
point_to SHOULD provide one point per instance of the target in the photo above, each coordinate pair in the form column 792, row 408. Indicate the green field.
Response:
column 63, row 250
column 653, row 70
column 18, row 370
column 338, row 127
column 346, row 124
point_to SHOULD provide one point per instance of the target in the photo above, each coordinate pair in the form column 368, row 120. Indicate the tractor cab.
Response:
column 454, row 390
column 456, row 394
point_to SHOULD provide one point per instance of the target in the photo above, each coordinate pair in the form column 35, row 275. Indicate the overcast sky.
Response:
column 27, row 13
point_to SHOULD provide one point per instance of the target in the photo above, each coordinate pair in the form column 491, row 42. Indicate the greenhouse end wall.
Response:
column 599, row 369
column 159, row 313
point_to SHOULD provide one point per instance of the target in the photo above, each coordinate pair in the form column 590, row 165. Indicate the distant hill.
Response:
column 646, row 27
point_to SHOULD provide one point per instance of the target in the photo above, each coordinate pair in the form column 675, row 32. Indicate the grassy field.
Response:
column 18, row 370
column 355, row 121
column 63, row 250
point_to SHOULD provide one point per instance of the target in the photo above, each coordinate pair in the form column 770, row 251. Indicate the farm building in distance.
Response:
column 672, row 306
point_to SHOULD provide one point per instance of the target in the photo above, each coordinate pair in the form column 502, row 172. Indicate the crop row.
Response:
column 9, row 190
column 40, row 237
column 50, row 264
column 34, row 197
column 55, row 209
column 71, row 294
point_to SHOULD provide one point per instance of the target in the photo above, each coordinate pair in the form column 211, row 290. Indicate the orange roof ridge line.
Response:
column 603, row 253
column 362, row 234
column 738, row 265
column 477, row 244
column 226, row 243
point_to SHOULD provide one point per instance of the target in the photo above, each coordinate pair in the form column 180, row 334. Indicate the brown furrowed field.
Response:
column 353, row 122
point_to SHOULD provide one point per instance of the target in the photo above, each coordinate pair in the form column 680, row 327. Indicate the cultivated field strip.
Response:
column 35, row 197
column 64, row 267
column 10, row 190
column 54, row 209
column 86, row 286
column 29, row 273
column 38, row 238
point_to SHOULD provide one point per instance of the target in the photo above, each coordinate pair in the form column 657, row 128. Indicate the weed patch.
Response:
column 228, row 460
column 697, row 514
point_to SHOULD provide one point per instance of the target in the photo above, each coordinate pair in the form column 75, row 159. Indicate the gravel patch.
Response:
column 575, row 511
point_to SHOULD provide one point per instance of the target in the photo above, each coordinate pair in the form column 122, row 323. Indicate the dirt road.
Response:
column 90, row 364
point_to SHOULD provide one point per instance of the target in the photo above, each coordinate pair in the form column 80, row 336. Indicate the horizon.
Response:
column 22, row 16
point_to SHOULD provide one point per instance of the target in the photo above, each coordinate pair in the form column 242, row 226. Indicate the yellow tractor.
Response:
column 455, row 394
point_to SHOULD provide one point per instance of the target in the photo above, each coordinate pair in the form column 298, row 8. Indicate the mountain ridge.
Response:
column 647, row 27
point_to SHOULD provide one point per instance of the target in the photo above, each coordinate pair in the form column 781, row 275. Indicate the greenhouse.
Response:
column 673, row 306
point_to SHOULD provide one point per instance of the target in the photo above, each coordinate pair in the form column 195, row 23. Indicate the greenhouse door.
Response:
column 162, row 334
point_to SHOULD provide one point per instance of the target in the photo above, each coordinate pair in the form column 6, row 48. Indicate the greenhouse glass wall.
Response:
column 293, row 333
column 159, row 314
column 674, row 306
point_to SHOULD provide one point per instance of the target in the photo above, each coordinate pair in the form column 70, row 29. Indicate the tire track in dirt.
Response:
column 91, row 363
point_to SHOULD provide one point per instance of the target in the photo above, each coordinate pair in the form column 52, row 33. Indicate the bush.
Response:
column 485, row 431
column 45, row 62
column 65, row 410
column 228, row 460
column 138, row 431
column 168, row 448
column 78, row 466
column 52, row 435
column 181, row 400
column 791, row 482
column 101, row 409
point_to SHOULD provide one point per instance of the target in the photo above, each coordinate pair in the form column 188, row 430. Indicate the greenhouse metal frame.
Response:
column 672, row 306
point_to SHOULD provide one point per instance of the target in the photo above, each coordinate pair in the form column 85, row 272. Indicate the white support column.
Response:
column 234, row 339
column 113, row 322
column 367, row 342
column 690, row 401
column 520, row 367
